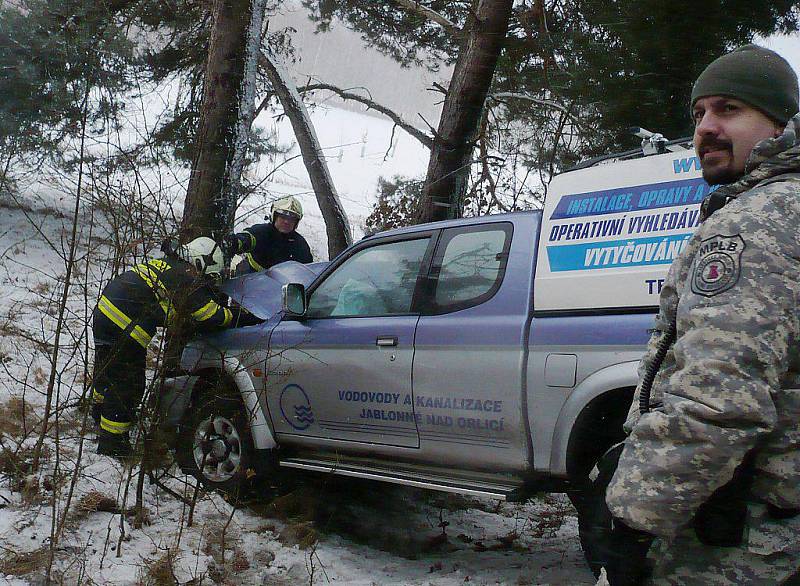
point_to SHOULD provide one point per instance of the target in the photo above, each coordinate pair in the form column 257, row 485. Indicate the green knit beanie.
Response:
column 754, row 75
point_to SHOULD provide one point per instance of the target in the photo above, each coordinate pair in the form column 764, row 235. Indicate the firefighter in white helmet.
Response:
column 156, row 293
column 276, row 241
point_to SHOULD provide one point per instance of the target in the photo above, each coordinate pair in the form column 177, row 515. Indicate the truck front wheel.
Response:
column 215, row 445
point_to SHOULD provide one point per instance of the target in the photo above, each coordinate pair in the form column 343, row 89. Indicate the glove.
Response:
column 231, row 244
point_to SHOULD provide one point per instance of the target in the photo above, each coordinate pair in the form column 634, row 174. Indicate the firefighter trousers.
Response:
column 119, row 381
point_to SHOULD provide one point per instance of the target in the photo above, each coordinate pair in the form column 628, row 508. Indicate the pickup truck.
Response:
column 489, row 356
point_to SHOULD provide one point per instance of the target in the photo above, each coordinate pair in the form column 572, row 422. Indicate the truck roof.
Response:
column 454, row 223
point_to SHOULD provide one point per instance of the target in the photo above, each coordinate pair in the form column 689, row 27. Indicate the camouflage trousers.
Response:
column 769, row 555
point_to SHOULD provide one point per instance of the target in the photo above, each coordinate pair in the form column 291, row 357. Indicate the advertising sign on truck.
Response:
column 611, row 231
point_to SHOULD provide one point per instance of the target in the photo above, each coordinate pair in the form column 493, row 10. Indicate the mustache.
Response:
column 713, row 144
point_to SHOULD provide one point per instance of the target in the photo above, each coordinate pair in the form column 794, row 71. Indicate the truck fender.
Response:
column 263, row 437
column 176, row 393
column 617, row 376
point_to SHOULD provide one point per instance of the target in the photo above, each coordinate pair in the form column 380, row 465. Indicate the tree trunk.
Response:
column 448, row 168
column 225, row 118
column 336, row 223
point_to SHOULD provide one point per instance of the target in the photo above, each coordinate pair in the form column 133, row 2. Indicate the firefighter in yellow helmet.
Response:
column 277, row 241
column 132, row 306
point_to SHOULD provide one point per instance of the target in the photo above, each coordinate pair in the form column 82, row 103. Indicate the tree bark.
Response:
column 448, row 168
column 337, row 226
column 225, row 118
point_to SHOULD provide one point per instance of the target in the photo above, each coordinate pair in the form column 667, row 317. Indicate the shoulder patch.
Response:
column 718, row 265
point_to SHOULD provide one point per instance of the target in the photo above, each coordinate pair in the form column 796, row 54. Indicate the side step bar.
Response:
column 415, row 478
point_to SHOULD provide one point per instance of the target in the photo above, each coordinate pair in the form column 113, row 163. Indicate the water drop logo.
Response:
column 296, row 408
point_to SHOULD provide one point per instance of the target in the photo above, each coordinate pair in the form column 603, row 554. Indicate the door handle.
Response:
column 386, row 341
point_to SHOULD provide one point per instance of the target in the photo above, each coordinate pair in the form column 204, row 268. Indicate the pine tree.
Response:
column 50, row 52
column 577, row 75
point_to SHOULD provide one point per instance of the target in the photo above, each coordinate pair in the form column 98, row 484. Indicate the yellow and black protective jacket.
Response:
column 265, row 246
column 152, row 295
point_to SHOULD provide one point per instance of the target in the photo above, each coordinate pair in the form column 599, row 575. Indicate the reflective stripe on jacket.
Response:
column 265, row 246
column 152, row 294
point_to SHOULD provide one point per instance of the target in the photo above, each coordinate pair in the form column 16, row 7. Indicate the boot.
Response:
column 115, row 445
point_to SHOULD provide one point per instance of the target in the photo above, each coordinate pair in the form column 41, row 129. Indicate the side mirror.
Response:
column 294, row 299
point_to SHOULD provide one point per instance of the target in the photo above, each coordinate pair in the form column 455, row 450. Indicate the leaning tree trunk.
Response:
column 336, row 223
column 448, row 168
column 225, row 118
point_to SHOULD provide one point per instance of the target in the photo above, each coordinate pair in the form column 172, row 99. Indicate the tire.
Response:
column 215, row 444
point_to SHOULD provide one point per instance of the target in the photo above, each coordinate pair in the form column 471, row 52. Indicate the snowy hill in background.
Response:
column 359, row 149
column 342, row 58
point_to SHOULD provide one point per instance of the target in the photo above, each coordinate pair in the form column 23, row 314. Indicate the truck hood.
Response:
column 260, row 293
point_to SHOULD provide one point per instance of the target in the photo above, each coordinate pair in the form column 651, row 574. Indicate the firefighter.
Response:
column 153, row 294
column 276, row 241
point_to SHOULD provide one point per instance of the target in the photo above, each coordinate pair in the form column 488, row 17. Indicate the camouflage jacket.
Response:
column 730, row 384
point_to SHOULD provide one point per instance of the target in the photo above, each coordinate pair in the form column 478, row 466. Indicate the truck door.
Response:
column 344, row 371
column 469, row 347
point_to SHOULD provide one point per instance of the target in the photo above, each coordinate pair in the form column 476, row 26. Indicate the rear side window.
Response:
column 469, row 266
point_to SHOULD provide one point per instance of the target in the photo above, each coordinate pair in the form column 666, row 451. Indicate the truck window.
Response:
column 469, row 266
column 379, row 280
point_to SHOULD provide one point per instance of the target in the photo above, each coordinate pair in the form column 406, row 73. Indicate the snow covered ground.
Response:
column 323, row 531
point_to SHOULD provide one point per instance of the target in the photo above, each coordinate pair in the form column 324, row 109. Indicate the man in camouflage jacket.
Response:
column 723, row 423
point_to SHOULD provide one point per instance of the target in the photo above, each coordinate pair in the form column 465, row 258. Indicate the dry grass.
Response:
column 548, row 521
column 21, row 564
column 92, row 502
column 229, row 561
column 239, row 563
column 302, row 534
column 42, row 288
column 96, row 502
column 16, row 418
column 160, row 571
column 40, row 376
column 15, row 464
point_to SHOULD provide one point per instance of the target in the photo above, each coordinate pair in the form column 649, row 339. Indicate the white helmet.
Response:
column 287, row 206
column 203, row 254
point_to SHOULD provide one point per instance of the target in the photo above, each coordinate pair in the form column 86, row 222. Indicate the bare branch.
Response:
column 337, row 225
column 437, row 87
column 372, row 105
column 432, row 15
column 391, row 140
column 500, row 96
column 428, row 124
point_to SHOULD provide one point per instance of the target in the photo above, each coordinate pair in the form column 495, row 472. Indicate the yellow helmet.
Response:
column 287, row 206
